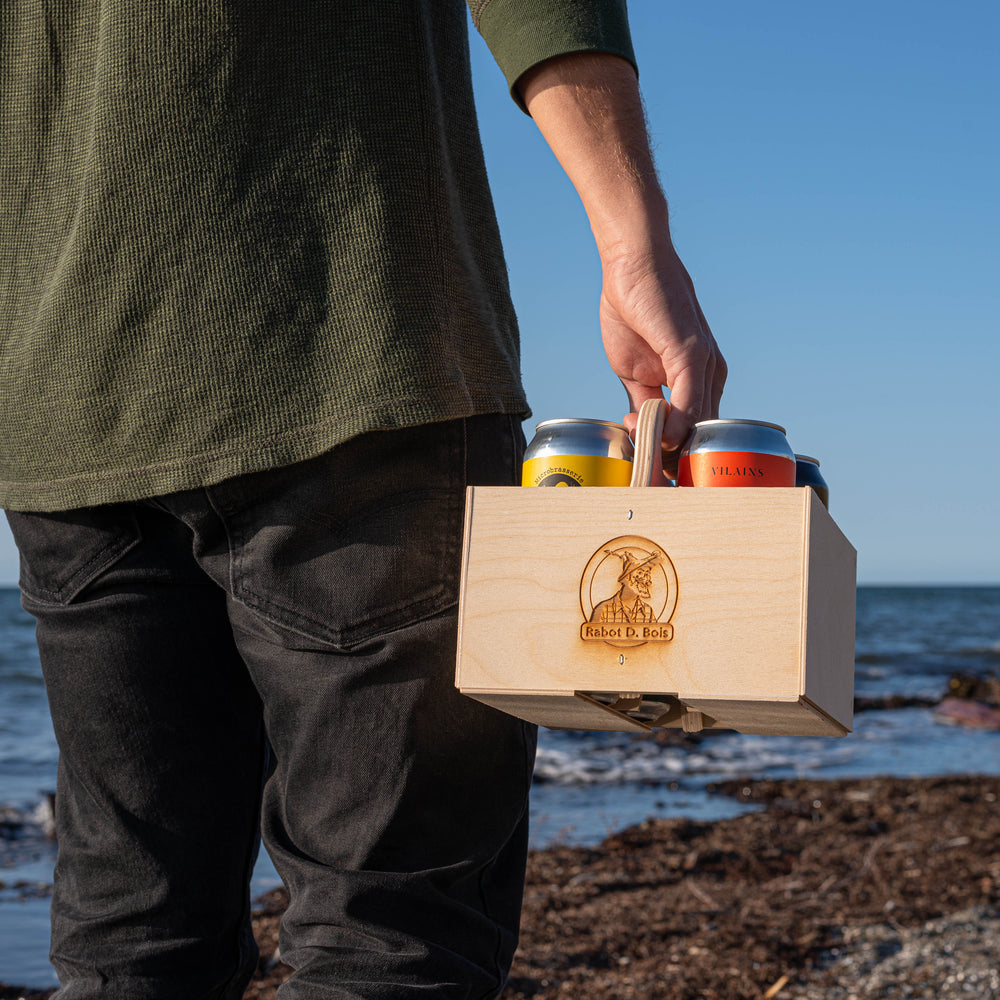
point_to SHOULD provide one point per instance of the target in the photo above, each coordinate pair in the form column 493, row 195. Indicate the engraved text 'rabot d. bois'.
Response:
column 628, row 593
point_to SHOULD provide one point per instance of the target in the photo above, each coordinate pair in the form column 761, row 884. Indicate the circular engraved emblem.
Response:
column 628, row 593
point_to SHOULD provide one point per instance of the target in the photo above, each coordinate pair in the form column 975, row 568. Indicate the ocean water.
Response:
column 910, row 642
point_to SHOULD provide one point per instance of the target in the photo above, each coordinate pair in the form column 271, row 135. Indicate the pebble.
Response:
column 950, row 958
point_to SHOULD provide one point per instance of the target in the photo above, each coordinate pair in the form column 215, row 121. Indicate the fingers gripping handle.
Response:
column 647, row 464
column 647, row 470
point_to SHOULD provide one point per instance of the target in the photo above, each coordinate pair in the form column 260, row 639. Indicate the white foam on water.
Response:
column 907, row 742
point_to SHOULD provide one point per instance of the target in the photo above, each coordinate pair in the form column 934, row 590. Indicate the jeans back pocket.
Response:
column 62, row 552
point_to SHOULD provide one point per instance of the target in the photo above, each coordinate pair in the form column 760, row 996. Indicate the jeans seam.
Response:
column 246, row 942
column 72, row 587
column 501, row 970
column 218, row 509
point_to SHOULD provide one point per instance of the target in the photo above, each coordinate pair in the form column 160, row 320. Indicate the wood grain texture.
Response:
column 747, row 597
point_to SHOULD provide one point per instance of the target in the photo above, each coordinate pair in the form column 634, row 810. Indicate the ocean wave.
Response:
column 989, row 651
column 644, row 761
column 27, row 833
column 917, row 658
column 879, row 659
column 910, row 741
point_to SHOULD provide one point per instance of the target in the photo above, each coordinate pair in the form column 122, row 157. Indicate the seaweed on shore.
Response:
column 748, row 907
column 766, row 904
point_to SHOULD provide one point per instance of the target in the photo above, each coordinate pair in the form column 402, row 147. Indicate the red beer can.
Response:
column 736, row 453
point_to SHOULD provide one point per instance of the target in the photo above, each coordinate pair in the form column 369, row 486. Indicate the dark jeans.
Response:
column 280, row 645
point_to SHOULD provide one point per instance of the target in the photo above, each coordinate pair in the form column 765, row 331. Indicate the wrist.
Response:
column 629, row 223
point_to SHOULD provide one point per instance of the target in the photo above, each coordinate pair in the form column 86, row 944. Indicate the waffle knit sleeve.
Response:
column 523, row 33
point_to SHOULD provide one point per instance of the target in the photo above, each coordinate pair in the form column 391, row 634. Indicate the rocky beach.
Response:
column 769, row 869
column 845, row 890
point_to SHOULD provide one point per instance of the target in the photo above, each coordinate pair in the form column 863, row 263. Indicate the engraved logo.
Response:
column 628, row 593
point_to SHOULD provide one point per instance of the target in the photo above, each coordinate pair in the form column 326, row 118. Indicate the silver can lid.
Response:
column 730, row 420
column 562, row 421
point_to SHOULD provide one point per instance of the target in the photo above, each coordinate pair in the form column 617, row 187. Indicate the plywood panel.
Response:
column 704, row 594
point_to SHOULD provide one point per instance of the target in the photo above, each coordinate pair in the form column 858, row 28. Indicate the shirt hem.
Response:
column 208, row 468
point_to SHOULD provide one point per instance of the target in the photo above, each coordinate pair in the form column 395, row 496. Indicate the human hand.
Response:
column 588, row 107
column 655, row 335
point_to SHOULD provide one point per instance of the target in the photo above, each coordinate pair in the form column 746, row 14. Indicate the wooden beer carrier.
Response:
column 625, row 608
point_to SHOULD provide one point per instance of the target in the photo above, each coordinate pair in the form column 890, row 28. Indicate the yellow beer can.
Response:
column 574, row 451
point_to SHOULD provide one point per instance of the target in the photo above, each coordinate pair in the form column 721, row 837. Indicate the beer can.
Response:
column 807, row 474
column 578, row 452
column 736, row 453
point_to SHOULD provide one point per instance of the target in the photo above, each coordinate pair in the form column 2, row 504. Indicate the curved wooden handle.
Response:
column 647, row 465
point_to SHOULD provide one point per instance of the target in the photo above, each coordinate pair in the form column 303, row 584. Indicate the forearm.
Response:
column 588, row 108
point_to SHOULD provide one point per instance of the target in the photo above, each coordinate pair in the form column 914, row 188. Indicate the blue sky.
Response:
column 833, row 176
column 832, row 172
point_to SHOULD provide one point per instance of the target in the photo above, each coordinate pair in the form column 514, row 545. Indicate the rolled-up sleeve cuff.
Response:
column 523, row 33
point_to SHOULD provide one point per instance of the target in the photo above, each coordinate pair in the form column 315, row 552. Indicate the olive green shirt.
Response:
column 236, row 234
